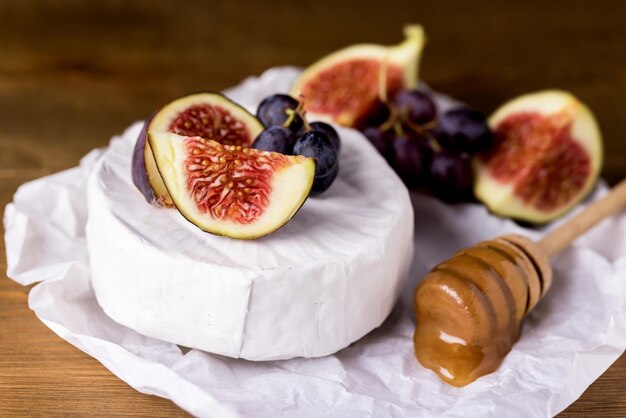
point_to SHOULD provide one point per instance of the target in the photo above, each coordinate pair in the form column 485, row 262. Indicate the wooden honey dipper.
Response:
column 470, row 308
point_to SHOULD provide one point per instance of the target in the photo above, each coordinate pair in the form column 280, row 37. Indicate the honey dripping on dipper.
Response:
column 470, row 308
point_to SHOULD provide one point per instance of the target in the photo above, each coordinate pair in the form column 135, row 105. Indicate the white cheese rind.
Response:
column 324, row 280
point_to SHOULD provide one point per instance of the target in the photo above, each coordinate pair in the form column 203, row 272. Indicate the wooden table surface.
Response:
column 74, row 73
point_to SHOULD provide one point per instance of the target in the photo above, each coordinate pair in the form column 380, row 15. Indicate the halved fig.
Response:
column 546, row 157
column 347, row 85
column 208, row 115
column 228, row 189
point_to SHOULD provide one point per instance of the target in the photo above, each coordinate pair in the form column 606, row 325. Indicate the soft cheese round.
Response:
column 324, row 280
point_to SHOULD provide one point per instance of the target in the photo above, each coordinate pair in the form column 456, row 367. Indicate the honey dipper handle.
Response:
column 563, row 236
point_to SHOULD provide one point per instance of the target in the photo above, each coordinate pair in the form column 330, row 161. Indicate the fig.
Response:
column 231, row 190
column 208, row 115
column 546, row 157
column 346, row 86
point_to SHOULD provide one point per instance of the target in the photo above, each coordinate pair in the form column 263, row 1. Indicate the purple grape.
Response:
column 316, row 144
column 376, row 116
column 322, row 183
column 411, row 158
column 329, row 131
column 277, row 139
column 382, row 141
column 416, row 106
column 451, row 176
column 463, row 130
column 273, row 111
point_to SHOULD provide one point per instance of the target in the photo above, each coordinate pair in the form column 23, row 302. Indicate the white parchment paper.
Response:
column 570, row 339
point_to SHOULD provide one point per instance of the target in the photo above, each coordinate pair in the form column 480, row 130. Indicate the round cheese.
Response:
column 324, row 280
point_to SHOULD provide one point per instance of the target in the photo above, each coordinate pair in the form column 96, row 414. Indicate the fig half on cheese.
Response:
column 229, row 189
column 207, row 115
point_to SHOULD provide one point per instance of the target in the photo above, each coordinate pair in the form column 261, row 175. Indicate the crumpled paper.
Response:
column 569, row 340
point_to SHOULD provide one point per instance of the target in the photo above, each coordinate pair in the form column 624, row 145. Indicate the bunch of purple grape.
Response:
column 288, row 132
column 428, row 150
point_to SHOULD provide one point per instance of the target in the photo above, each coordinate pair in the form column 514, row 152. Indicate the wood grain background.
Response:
column 73, row 73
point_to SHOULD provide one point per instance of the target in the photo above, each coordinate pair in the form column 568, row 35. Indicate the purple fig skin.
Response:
column 139, row 171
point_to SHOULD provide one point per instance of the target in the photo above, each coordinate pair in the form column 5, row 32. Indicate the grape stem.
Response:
column 398, row 128
column 391, row 121
column 298, row 111
column 420, row 128
column 433, row 141
column 291, row 115
column 397, row 120
column 302, row 111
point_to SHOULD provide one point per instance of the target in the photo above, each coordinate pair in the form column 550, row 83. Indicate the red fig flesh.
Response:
column 228, row 189
column 546, row 158
column 345, row 86
column 208, row 115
